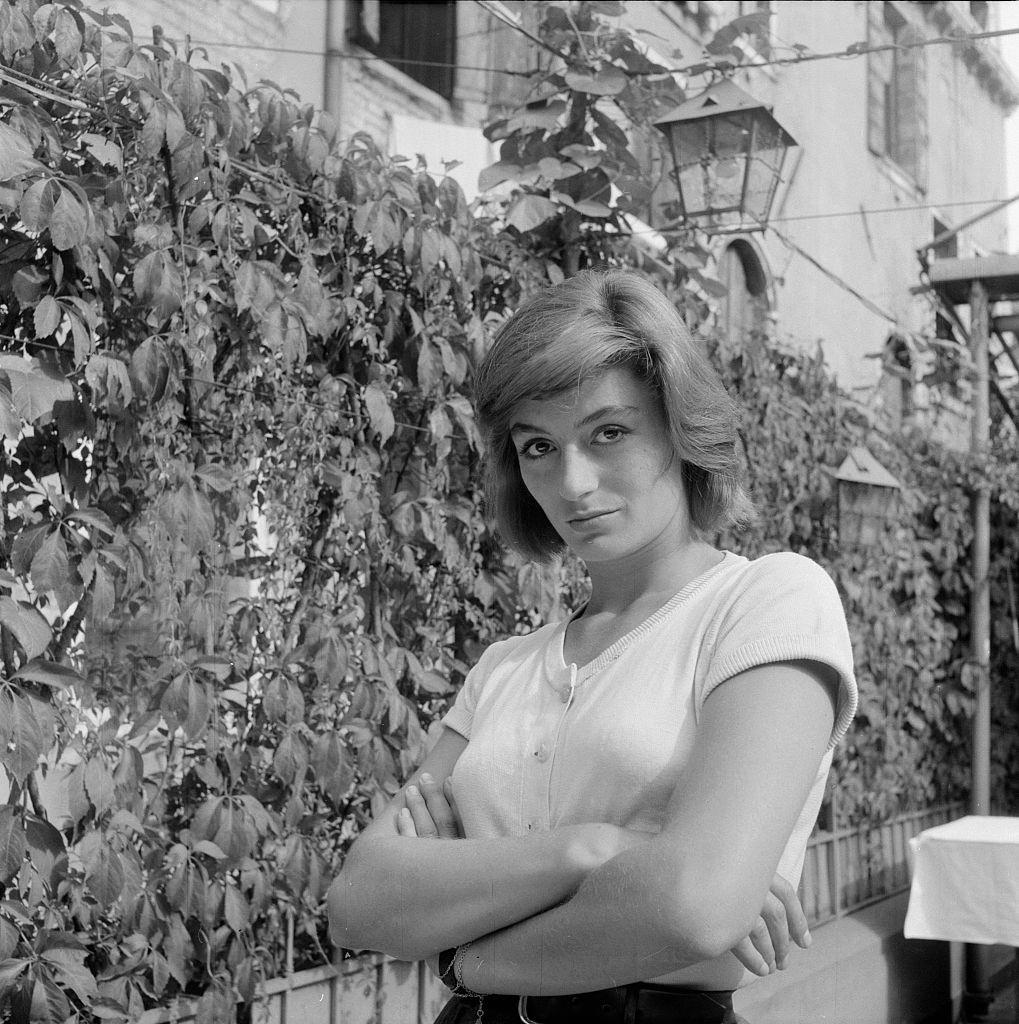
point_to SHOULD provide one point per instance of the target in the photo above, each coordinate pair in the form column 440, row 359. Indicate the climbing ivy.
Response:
column 243, row 558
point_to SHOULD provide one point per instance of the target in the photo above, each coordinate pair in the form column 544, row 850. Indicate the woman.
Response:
column 633, row 781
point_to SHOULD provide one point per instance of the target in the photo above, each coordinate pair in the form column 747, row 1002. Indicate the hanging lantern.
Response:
column 868, row 499
column 727, row 156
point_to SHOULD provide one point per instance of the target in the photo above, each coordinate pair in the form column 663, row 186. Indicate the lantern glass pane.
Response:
column 728, row 167
column 764, row 170
column 710, row 156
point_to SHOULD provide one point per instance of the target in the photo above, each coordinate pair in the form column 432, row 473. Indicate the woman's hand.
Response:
column 430, row 811
column 781, row 919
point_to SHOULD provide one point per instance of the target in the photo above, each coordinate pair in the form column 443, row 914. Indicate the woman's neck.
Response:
column 647, row 579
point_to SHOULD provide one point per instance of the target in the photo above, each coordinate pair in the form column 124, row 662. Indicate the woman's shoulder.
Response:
column 782, row 567
column 777, row 583
column 519, row 645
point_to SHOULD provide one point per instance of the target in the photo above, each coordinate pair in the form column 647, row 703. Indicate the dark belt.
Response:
column 628, row 1004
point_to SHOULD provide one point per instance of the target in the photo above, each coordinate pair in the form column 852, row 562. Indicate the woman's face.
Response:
column 600, row 462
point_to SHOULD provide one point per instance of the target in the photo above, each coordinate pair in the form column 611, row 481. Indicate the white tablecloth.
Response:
column 966, row 882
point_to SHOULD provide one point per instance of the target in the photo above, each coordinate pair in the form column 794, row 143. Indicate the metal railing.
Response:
column 843, row 871
column 846, row 869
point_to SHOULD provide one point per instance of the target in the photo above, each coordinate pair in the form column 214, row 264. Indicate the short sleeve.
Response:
column 783, row 608
column 460, row 717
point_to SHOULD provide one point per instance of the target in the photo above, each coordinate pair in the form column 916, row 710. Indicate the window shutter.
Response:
column 911, row 92
column 879, row 74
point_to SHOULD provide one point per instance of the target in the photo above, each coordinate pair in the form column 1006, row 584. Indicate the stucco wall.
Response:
column 823, row 104
column 246, row 25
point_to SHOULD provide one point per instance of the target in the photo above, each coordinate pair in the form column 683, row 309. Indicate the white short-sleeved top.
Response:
column 538, row 758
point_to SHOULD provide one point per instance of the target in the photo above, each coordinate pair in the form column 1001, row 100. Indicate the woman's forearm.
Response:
column 613, row 931
column 412, row 897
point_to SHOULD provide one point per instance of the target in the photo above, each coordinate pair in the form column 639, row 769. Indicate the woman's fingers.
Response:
column 796, row 920
column 424, row 826
column 438, row 807
column 781, row 921
column 447, row 790
column 405, row 824
column 760, row 937
column 750, row 958
column 773, row 914
column 429, row 810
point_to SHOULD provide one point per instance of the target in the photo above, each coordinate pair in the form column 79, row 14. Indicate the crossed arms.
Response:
column 590, row 905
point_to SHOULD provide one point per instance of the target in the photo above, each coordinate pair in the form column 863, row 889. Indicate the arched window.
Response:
column 745, row 306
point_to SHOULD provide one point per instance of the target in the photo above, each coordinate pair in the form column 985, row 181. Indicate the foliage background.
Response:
column 244, row 561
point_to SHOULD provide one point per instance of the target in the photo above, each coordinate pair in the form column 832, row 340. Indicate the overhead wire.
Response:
column 31, row 83
column 800, row 57
column 835, row 278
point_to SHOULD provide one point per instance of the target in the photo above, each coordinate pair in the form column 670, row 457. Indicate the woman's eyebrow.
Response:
column 607, row 412
column 525, row 428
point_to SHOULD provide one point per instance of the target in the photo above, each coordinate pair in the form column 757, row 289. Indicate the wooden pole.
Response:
column 977, row 972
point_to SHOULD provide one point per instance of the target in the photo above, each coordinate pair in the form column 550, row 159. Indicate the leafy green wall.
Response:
column 244, row 560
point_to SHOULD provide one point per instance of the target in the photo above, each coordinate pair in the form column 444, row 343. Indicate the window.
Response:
column 744, row 309
column 897, row 92
column 419, row 38
column 898, row 380
column 948, row 249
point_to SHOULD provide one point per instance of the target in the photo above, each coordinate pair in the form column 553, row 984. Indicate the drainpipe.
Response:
column 978, row 988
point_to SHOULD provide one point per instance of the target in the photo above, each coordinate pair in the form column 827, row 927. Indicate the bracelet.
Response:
column 445, row 965
column 461, row 988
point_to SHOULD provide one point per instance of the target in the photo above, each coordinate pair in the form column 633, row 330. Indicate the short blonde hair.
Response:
column 594, row 321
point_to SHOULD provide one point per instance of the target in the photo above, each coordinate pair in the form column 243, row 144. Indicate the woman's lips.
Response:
column 590, row 518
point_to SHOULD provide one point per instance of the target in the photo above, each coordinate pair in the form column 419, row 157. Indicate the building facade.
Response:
column 894, row 145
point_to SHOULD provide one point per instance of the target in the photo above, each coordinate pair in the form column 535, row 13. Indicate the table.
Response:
column 965, row 884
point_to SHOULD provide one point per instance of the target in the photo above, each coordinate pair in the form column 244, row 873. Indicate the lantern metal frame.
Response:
column 868, row 497
column 725, row 125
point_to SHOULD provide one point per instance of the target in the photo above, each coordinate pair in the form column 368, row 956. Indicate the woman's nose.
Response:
column 578, row 475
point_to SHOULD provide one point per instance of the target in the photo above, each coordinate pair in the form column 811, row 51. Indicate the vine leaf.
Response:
column 49, row 673
column 110, row 382
column 68, row 222
column 606, row 81
column 27, row 624
column 46, row 318
column 34, row 392
column 10, row 421
column 15, row 154
column 103, row 870
column 99, row 785
column 332, row 769
column 26, row 740
column 236, row 911
column 12, row 842
column 68, row 966
column 496, row 174
column 379, row 411
column 8, row 939
column 45, row 849
column 529, row 212
column 49, row 1004
column 51, row 568
column 66, row 37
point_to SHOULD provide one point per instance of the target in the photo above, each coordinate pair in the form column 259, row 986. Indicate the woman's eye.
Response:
column 609, row 434
column 534, row 449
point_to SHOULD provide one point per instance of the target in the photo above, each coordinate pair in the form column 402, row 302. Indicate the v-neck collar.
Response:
column 555, row 659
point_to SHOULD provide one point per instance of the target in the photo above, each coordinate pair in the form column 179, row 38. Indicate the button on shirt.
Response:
column 554, row 744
